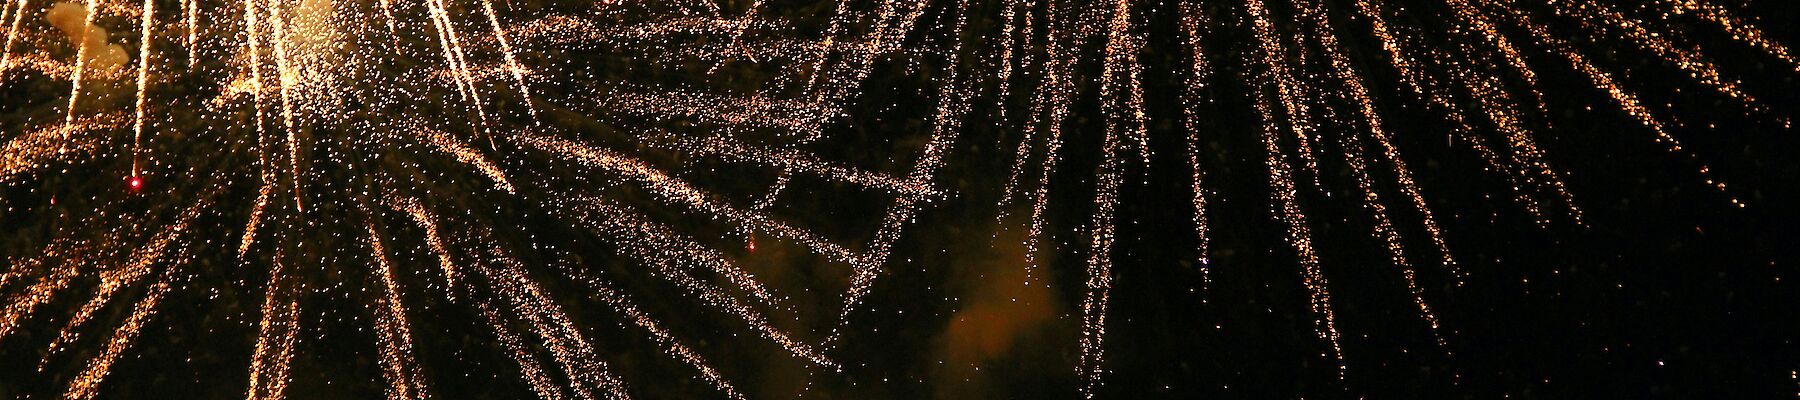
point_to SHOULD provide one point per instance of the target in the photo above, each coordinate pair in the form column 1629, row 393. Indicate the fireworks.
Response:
column 384, row 152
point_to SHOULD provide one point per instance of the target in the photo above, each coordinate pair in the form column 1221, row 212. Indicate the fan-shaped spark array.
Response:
column 377, row 126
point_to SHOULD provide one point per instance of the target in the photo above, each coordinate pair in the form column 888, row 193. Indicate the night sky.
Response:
column 554, row 203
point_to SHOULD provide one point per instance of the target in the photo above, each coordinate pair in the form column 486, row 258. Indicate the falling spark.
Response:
column 650, row 242
column 256, row 216
column 285, row 75
column 443, row 142
column 1347, row 74
column 512, row 64
column 33, row 150
column 398, row 365
column 116, row 279
column 566, row 343
column 1601, row 19
column 624, row 305
column 12, row 33
column 143, row 79
column 1281, row 181
column 275, row 339
column 793, row 160
column 529, row 367
column 81, row 56
column 451, row 44
column 190, row 14
column 1123, row 104
column 433, row 237
column 56, row 279
column 680, row 191
column 1626, row 100
column 1434, row 93
column 953, row 103
column 87, row 384
column 1050, row 108
column 1739, row 29
column 1193, row 23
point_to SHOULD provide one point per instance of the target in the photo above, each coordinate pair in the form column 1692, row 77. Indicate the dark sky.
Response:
column 1662, row 289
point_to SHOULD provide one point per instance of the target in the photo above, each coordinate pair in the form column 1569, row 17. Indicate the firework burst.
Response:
column 388, row 163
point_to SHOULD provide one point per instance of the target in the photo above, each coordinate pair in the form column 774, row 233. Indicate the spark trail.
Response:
column 1281, row 177
column 398, row 364
column 276, row 337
